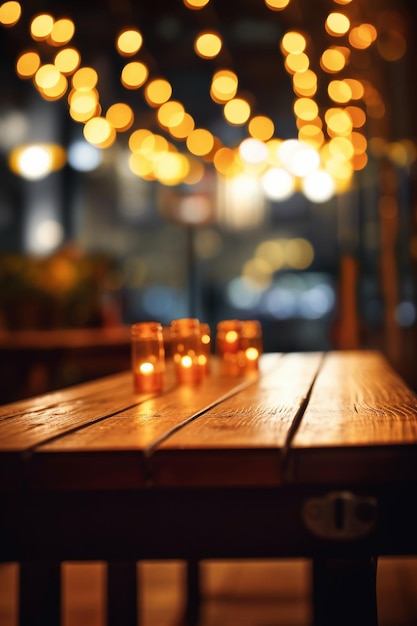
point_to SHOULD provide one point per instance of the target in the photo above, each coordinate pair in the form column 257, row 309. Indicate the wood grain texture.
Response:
column 26, row 424
column 358, row 400
column 360, row 423
column 113, row 452
column 31, row 422
column 41, row 402
column 240, row 440
column 339, row 417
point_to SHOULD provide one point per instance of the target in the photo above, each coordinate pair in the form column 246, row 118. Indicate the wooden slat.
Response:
column 69, row 338
column 240, row 441
column 52, row 399
column 28, row 423
column 112, row 453
column 360, row 423
column 33, row 422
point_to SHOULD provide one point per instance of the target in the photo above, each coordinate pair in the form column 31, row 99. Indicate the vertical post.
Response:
column 40, row 594
column 192, row 274
column 193, row 599
column 122, row 604
column 344, row 592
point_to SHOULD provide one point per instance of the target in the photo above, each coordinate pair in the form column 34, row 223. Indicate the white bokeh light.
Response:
column 242, row 293
column 317, row 302
column 35, row 162
column 281, row 302
column 278, row 184
column 318, row 186
column 253, row 151
column 84, row 157
column 298, row 157
column 47, row 236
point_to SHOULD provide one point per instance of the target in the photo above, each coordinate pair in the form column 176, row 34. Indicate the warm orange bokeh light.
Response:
column 41, row 26
column 208, row 45
column 293, row 42
column 67, row 60
column 10, row 13
column 28, row 64
column 62, row 32
column 157, row 92
column 134, row 75
column 129, row 42
column 337, row 24
column 237, row 111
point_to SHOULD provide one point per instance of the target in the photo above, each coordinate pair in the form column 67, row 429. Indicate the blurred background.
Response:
column 251, row 159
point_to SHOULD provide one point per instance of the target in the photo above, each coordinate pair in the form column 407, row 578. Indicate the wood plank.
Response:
column 36, row 404
column 240, row 441
column 43, row 401
column 113, row 452
column 360, row 423
column 27, row 423
column 53, row 415
column 69, row 338
column 32, row 422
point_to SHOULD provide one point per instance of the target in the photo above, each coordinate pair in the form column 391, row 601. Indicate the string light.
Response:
column 129, row 42
column 62, row 32
column 84, row 102
column 10, row 13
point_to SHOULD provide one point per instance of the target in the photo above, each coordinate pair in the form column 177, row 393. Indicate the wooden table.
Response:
column 313, row 456
column 37, row 361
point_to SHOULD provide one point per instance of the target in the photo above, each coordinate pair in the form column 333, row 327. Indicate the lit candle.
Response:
column 228, row 346
column 148, row 357
column 186, row 348
column 205, row 348
column 251, row 343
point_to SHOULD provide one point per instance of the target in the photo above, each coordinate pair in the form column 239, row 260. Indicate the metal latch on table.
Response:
column 340, row 515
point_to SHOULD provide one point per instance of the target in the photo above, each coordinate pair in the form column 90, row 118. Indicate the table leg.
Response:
column 193, row 590
column 344, row 592
column 122, row 604
column 39, row 594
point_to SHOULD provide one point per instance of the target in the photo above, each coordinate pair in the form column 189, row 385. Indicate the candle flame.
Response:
column 146, row 368
column 231, row 336
column 252, row 354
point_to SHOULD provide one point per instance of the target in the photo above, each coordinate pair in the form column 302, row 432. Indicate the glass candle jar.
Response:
column 186, row 348
column 228, row 346
column 205, row 348
column 251, row 343
column 167, row 335
column 148, row 357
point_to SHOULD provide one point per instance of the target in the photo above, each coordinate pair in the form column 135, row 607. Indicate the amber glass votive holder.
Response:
column 148, row 357
column 205, row 348
column 228, row 337
column 251, row 343
column 186, row 349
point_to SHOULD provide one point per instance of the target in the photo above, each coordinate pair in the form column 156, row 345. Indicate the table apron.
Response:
column 190, row 523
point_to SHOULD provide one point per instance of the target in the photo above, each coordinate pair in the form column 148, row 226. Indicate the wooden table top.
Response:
column 61, row 339
column 303, row 418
